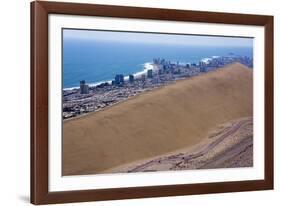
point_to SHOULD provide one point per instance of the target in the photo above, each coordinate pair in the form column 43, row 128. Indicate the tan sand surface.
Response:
column 156, row 122
column 229, row 145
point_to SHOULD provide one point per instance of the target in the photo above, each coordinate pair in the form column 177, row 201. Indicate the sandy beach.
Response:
column 175, row 117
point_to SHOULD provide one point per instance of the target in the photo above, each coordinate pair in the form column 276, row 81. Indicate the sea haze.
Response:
column 98, row 61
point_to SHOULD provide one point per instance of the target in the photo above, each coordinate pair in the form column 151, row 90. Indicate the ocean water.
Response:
column 96, row 61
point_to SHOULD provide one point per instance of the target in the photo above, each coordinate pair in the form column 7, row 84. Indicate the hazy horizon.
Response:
column 156, row 38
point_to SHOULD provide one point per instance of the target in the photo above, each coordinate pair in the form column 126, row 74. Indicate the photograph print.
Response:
column 149, row 102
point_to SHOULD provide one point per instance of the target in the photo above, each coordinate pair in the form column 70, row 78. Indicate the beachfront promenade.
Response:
column 78, row 102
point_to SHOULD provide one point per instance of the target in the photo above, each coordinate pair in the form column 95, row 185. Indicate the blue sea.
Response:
column 99, row 61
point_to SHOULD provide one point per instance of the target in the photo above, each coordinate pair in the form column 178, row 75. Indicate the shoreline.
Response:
column 132, row 97
column 160, row 72
column 147, row 66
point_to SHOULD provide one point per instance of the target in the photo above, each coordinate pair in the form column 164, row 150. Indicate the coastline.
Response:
column 147, row 66
column 158, row 73
column 136, row 96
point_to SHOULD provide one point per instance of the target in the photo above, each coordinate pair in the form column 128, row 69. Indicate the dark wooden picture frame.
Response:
column 39, row 102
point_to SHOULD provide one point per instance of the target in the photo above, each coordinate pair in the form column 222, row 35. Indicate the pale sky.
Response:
column 152, row 38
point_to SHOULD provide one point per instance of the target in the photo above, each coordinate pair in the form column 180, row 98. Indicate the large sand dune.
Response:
column 156, row 122
column 230, row 145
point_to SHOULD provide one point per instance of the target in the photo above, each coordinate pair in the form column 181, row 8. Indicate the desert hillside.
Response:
column 230, row 145
column 156, row 122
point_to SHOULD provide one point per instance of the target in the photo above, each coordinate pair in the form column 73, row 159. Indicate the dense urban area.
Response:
column 87, row 98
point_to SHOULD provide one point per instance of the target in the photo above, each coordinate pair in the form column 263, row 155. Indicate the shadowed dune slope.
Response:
column 156, row 122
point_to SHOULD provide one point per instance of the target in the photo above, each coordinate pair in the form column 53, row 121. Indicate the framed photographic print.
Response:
column 131, row 102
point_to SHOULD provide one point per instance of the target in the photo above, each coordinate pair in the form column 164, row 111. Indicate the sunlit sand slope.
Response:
column 157, row 122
